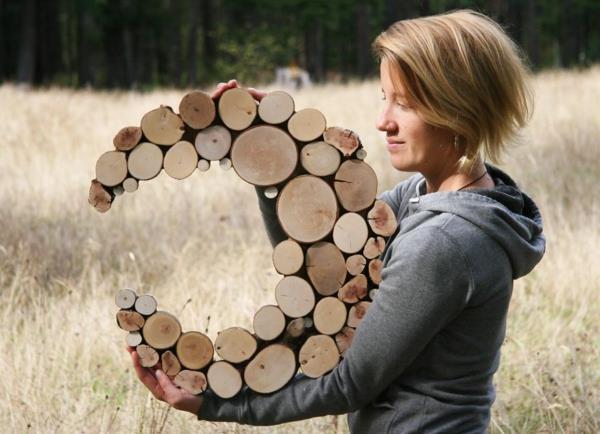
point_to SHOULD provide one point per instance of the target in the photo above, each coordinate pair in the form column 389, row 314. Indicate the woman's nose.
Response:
column 384, row 122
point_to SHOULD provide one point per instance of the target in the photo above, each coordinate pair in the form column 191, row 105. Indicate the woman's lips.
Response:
column 394, row 145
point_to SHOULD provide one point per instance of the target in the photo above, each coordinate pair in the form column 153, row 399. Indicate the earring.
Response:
column 456, row 144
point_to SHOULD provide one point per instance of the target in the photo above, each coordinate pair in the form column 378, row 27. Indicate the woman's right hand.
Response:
column 222, row 87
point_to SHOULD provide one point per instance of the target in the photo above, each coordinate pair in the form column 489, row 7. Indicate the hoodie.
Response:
column 424, row 356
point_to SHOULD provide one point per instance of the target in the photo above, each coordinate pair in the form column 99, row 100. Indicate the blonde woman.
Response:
column 423, row 359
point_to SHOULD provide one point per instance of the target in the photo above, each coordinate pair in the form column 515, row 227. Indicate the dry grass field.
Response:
column 63, row 367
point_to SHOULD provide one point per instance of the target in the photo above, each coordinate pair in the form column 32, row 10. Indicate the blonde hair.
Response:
column 462, row 72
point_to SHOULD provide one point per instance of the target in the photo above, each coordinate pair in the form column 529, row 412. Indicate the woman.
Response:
column 425, row 354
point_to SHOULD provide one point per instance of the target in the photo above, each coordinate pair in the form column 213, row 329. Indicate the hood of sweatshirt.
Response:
column 504, row 213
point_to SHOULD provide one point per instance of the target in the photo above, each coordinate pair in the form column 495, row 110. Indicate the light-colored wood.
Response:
column 111, row 168
column 343, row 339
column 271, row 369
column 288, row 257
column 237, row 109
column 98, row 197
column 381, row 218
column 326, row 267
column 295, row 297
column 145, row 304
column 125, row 298
column 127, row 138
column 194, row 350
column 235, row 345
column 355, row 264
column 276, row 107
column 133, row 339
column 213, row 143
column 130, row 320
column 357, row 313
column 145, row 161
column 271, row 192
column 329, row 315
column 130, row 185
column 354, row 290
column 269, row 322
column 373, row 293
column 355, row 185
column 320, row 159
column 203, row 165
column 295, row 328
column 192, row 381
column 225, row 163
column 169, row 363
column 375, row 266
column 307, row 209
column 148, row 355
column 264, row 155
column 224, row 379
column 345, row 140
column 197, row 109
column 374, row 247
column 181, row 160
column 350, row 232
column 162, row 126
column 318, row 355
column 361, row 154
column 307, row 125
column 161, row 330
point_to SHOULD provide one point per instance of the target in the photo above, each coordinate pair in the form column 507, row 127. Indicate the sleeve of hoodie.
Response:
column 424, row 285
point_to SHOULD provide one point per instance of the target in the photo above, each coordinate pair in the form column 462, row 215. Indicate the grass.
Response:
column 63, row 366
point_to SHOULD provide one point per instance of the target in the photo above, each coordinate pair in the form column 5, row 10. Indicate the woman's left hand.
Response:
column 163, row 389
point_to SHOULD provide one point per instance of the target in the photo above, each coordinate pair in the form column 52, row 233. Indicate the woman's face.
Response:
column 413, row 145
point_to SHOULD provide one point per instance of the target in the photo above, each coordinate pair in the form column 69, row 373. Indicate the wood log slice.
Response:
column 130, row 185
column 318, row 355
column 130, row 320
column 374, row 247
column 148, row 355
column 237, row 109
column 111, row 168
column 343, row 339
column 181, row 160
column 361, row 154
column 355, row 264
column 99, row 197
column 269, row 322
column 194, row 350
column 235, row 345
column 345, row 140
column 161, row 330
column 264, row 155
column 125, row 298
column 381, row 218
column 288, row 257
column 295, row 297
column 162, row 126
column 307, row 209
column 192, row 381
column 355, row 185
column 373, row 293
column 203, row 165
column 320, row 159
column 213, row 143
column 169, row 363
column 271, row 369
column 296, row 328
column 197, row 109
column 127, row 138
column 145, row 304
column 271, row 192
column 118, row 190
column 224, row 379
column 307, row 125
column 357, row 313
column 145, row 161
column 326, row 267
column 276, row 107
column 375, row 266
column 133, row 339
column 354, row 290
column 329, row 315
column 350, row 232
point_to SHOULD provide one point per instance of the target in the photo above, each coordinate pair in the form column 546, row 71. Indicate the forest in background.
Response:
column 180, row 43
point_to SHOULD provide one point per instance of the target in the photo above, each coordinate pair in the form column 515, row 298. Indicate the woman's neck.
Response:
column 450, row 179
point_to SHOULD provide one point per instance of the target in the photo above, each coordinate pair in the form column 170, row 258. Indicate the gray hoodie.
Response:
column 423, row 359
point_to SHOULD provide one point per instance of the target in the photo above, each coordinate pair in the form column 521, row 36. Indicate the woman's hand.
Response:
column 222, row 87
column 163, row 389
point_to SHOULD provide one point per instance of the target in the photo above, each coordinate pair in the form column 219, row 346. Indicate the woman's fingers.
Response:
column 146, row 376
column 222, row 87
column 256, row 94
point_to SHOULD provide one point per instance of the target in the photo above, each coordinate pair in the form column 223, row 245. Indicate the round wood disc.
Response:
column 98, row 197
column 320, row 159
column 162, row 126
column 288, row 257
column 130, row 185
column 127, row 138
column 326, row 267
column 271, row 369
column 269, row 322
column 224, row 379
column 345, row 140
column 161, row 330
column 111, row 168
column 146, row 304
column 181, row 160
column 235, row 345
column 264, row 155
column 203, row 165
column 375, row 266
column 354, row 290
column 350, row 232
column 169, row 363
column 145, row 161
column 213, row 143
column 382, row 219
column 295, row 296
column 148, row 355
column 130, row 320
column 374, row 247
column 357, row 313
column 125, row 298
column 355, row 264
column 307, row 209
column 307, row 125
column 343, row 339
column 276, row 107
column 197, row 109
column 194, row 350
column 356, row 185
column 192, row 381
column 329, row 315
column 133, row 339
column 318, row 355
column 237, row 109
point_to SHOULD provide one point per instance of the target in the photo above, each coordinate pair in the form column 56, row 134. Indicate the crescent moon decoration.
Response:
column 325, row 202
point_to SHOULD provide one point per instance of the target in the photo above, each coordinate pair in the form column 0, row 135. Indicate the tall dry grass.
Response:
column 63, row 367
